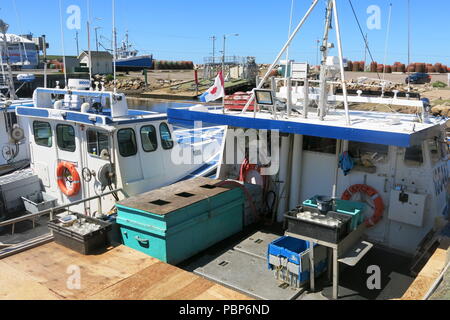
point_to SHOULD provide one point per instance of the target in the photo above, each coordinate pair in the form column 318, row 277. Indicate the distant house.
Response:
column 102, row 61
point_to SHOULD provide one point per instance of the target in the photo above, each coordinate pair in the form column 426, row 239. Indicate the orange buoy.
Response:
column 374, row 195
column 76, row 182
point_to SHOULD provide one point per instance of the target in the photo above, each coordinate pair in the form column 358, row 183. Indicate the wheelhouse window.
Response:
column 42, row 133
column 435, row 150
column 65, row 137
column 97, row 141
column 368, row 152
column 149, row 138
column 166, row 136
column 317, row 144
column 126, row 139
column 414, row 156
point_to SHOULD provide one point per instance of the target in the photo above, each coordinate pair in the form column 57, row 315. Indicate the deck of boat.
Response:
column 121, row 273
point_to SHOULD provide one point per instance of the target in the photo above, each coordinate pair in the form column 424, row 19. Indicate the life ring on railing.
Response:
column 374, row 195
column 76, row 181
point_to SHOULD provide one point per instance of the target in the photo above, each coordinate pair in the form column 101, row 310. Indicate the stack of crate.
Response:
column 176, row 222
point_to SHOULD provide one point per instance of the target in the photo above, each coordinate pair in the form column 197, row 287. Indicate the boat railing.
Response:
column 290, row 84
column 54, row 210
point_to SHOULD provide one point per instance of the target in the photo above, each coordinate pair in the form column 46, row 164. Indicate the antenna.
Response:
column 115, row 42
column 62, row 42
column 89, row 43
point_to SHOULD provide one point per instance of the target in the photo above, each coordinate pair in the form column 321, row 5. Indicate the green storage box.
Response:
column 353, row 208
column 174, row 223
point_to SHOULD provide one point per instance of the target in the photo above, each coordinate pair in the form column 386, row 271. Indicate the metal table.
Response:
column 349, row 251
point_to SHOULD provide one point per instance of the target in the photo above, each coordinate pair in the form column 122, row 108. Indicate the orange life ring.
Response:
column 76, row 183
column 374, row 195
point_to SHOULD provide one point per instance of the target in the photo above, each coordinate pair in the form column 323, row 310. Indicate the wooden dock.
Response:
column 121, row 273
column 429, row 273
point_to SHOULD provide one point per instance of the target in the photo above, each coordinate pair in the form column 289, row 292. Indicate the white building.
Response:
column 102, row 61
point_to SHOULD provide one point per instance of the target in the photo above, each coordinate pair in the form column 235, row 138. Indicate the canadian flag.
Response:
column 215, row 92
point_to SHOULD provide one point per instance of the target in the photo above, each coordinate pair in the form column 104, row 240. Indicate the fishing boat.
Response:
column 87, row 141
column 397, row 164
column 128, row 59
column 13, row 141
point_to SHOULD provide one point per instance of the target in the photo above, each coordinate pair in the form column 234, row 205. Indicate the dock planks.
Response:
column 120, row 273
column 428, row 275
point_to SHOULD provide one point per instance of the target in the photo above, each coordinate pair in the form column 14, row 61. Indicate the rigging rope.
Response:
column 387, row 41
column 362, row 34
column 19, row 21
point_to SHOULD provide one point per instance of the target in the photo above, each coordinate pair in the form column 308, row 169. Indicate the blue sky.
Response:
column 181, row 30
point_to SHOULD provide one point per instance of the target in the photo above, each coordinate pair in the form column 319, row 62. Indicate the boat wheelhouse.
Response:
column 84, row 143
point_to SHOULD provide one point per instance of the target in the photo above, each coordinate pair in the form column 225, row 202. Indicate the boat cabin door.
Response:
column 98, row 164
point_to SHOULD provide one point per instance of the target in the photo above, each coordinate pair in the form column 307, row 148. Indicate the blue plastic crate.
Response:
column 353, row 208
column 291, row 256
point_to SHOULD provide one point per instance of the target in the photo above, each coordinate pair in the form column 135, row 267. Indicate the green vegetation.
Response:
column 439, row 84
column 109, row 77
column 440, row 102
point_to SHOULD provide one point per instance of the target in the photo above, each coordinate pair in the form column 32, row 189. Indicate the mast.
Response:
column 115, row 42
column 89, row 43
column 324, row 48
column 12, row 91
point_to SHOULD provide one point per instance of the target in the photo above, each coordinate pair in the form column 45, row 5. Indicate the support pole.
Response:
column 306, row 98
column 341, row 63
column 289, row 96
column 288, row 43
column 296, row 171
column 44, row 49
column 336, row 175
column 323, row 85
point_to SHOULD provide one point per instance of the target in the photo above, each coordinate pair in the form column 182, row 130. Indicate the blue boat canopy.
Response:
column 368, row 127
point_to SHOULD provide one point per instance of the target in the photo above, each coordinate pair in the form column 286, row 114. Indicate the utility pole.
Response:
column 366, row 45
column 214, row 38
column 318, row 52
column 96, row 37
column 44, row 49
column 77, row 42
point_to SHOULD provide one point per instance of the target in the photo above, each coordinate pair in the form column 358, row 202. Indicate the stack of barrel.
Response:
column 358, row 66
column 174, row 65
